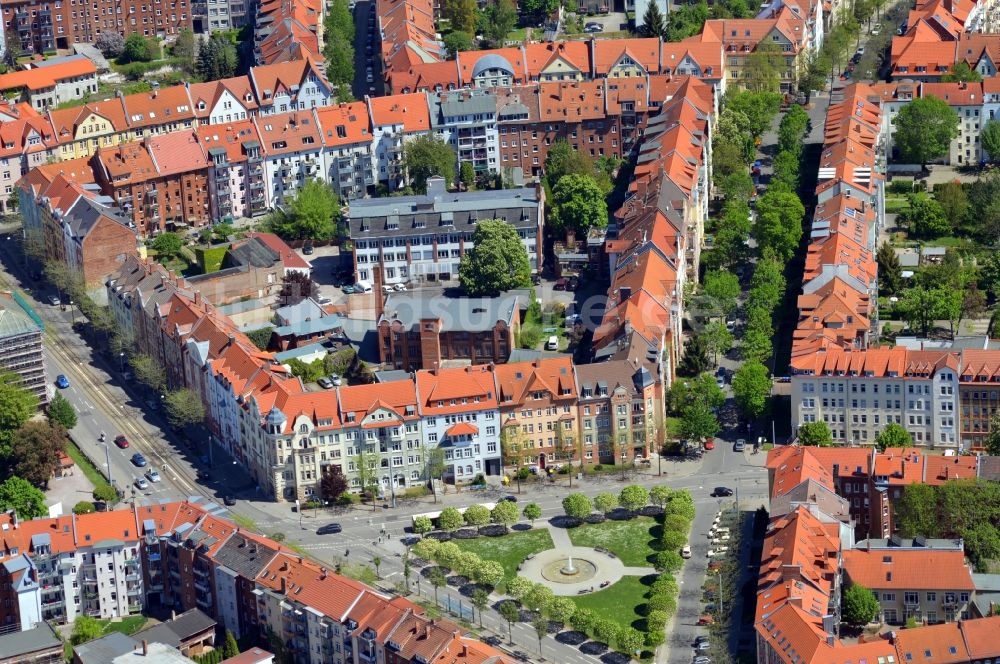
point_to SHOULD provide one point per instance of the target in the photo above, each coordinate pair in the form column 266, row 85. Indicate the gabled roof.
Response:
column 177, row 152
column 540, row 55
column 409, row 110
column 609, row 52
column 456, row 390
column 158, row 107
column 345, row 124
column 515, row 381
column 289, row 133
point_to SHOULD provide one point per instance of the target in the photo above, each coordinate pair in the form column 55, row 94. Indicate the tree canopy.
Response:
column 752, row 388
column 309, row 215
column 578, row 204
column 497, row 261
column 427, row 156
column 24, row 498
column 35, row 449
column 217, row 58
column 924, row 129
column 859, row 605
column 815, row 434
column 893, row 435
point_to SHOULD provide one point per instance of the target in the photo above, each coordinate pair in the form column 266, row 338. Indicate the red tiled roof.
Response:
column 39, row 78
column 177, row 152
column 409, row 110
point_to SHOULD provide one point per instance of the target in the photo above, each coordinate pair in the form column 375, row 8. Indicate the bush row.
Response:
column 448, row 554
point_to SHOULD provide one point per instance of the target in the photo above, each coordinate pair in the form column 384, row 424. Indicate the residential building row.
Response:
column 287, row 437
column 185, row 556
column 51, row 82
column 940, row 33
column 284, row 30
column 831, row 527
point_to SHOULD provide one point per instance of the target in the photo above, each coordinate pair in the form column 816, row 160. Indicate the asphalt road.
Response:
column 362, row 59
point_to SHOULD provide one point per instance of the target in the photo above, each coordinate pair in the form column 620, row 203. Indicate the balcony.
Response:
column 151, row 194
column 135, row 608
column 202, row 586
column 53, row 603
column 200, row 571
column 153, row 556
column 203, row 600
column 133, row 576
column 133, row 590
column 366, row 657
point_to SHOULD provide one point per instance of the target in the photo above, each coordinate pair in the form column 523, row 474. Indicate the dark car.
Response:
column 561, row 284
column 138, row 460
column 512, row 499
column 307, row 250
column 721, row 491
column 62, row 382
column 228, row 501
column 121, row 441
column 329, row 529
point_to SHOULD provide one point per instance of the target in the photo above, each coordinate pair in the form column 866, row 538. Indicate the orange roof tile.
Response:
column 40, row 78
column 345, row 124
column 409, row 110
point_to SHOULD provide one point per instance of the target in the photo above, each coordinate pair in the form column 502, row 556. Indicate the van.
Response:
column 552, row 343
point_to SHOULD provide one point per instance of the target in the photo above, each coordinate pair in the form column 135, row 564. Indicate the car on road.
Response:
column 325, row 383
column 141, row 483
column 877, row 30
column 718, row 551
column 329, row 529
column 62, row 382
column 720, row 381
column 228, row 501
column 701, row 659
column 400, row 288
column 121, row 441
column 706, row 620
column 730, row 325
column 701, row 638
column 709, row 444
column 702, row 646
column 512, row 499
column 153, row 475
column 308, row 250
column 323, row 301
column 348, row 289
column 686, row 551
column 138, row 460
column 740, row 445
column 721, row 492
column 54, row 300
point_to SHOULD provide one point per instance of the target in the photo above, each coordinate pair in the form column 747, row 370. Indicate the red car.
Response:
column 121, row 441
column 709, row 444
column 706, row 620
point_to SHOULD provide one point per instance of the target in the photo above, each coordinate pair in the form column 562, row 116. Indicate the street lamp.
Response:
column 121, row 362
column 107, row 460
column 298, row 509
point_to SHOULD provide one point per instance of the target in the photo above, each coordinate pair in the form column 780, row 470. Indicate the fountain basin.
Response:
column 562, row 571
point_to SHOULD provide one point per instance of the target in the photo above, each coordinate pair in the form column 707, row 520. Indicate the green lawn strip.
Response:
column 509, row 550
column 631, row 540
column 126, row 626
column 621, row 602
column 83, row 463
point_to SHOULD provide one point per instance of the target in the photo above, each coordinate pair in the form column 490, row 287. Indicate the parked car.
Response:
column 228, row 501
column 686, row 551
column 709, row 444
column 701, row 659
column 152, row 475
column 509, row 498
column 62, row 382
column 121, row 441
column 740, row 445
column 336, row 380
column 54, row 300
column 593, row 27
column 400, row 288
column 329, row 529
column 308, row 250
column 720, row 381
column 323, row 301
column 140, row 483
column 138, row 460
column 721, row 492
column 703, row 645
column 348, row 289
column 362, row 287
column 706, row 620
column 325, row 383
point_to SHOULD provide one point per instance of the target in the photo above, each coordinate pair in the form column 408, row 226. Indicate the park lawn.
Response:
column 509, row 550
column 620, row 602
column 629, row 540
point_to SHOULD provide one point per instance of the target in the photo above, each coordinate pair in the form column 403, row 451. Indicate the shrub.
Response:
column 83, row 507
column 518, row 587
column 656, row 620
column 450, row 519
column 662, row 602
column 676, row 523
column 655, row 638
column 672, row 541
column 669, row 561
column 665, row 583
column 583, row 620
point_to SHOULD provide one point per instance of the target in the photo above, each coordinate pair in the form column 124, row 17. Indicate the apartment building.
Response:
column 348, row 155
column 236, row 186
column 537, row 410
column 422, row 239
column 27, row 142
column 44, row 28
column 617, row 413
column 898, row 576
column 394, row 120
column 459, row 413
column 295, row 85
column 222, row 101
column 467, row 121
column 21, row 350
column 52, row 82
column 292, row 146
column 284, row 30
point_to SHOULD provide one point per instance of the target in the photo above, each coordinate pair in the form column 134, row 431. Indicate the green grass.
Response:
column 83, row 463
column 244, row 522
column 126, row 626
column 896, row 205
column 629, row 540
column 509, row 550
column 620, row 602
column 518, row 35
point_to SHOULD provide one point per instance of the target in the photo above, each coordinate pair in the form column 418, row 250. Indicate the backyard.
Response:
column 509, row 550
column 631, row 540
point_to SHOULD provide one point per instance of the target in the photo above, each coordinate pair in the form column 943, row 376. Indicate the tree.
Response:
column 110, row 44
column 230, row 648
column 925, row 217
column 185, row 49
column 17, row 405
column 990, row 138
column 698, row 422
column 462, row 14
column 377, row 563
column 308, row 215
column 105, row 493
column 467, row 175
column 295, row 287
column 35, row 451
column 61, row 412
column 718, row 339
column 333, row 485
column 563, row 159
column 457, row 41
column 633, row 498
column 758, row 107
column 83, row 507
column 630, row 642
column 541, row 627
column 578, row 204
column 669, row 561
column 509, row 612
column 538, row 598
column 183, row 407
column 19, row 495
column 606, row 630
column 477, row 515
column 435, row 466
column 890, row 272
column 501, row 17
column 982, row 545
column 480, row 600
column 992, row 442
column 217, row 58
column 450, row 519
column 85, row 628
column 859, row 605
column 659, row 495
column 815, row 434
column 490, row 573
column 583, row 620
column 531, row 512
column 427, row 156
column 779, row 222
column 605, row 502
column 920, row 307
column 924, row 130
column 561, row 609
column 437, row 580
column 339, row 19
column 752, row 387
column 762, row 72
column 167, row 245
column 539, row 8
column 137, row 49
column 339, row 53
column 518, row 587
column 893, row 435
column 497, row 261
column 961, row 72
column 422, row 525
column 580, row 506
column 504, row 513
column 653, row 24
column 724, row 289
column 703, row 389
column 695, row 359
column 954, row 202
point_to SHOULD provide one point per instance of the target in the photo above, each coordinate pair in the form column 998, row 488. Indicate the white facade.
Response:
column 226, row 595
column 466, row 455
column 285, row 173
column 350, row 169
column 227, row 109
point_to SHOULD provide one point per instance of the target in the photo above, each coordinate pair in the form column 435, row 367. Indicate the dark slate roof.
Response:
column 181, row 628
column 245, row 556
column 29, row 641
column 104, row 649
column 253, row 252
column 85, row 213
column 989, row 467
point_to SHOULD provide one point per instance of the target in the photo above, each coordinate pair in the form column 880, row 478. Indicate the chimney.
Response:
column 465, row 650
column 322, row 575
column 145, row 648
column 197, row 297
column 284, row 585
column 427, row 630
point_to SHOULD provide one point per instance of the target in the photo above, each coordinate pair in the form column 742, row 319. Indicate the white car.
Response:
column 141, row 484
column 152, row 475
column 686, row 551
column 718, row 551
column 400, row 287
